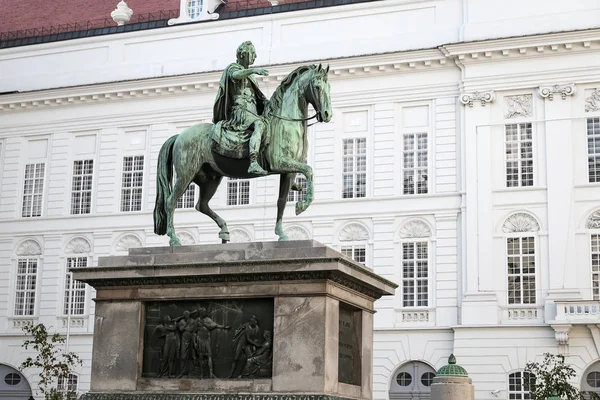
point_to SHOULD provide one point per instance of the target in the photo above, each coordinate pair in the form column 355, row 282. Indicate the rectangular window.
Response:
column 356, row 252
column 596, row 267
column 521, row 270
column 187, row 200
column 294, row 195
column 415, row 275
column 132, row 183
column 81, row 189
column 26, row 286
column 519, row 155
column 68, row 384
column 354, row 168
column 238, row 192
column 414, row 163
column 33, row 190
column 74, row 303
column 593, row 144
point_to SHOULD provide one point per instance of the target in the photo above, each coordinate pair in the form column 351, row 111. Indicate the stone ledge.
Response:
column 208, row 396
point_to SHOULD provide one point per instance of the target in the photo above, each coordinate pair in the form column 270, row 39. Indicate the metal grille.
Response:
column 238, row 192
column 593, row 145
column 81, row 189
column 521, row 270
column 132, row 183
column 188, row 198
column 194, row 8
column 294, row 195
column 414, row 163
column 26, row 286
column 415, row 274
column 67, row 385
column 74, row 290
column 354, row 168
column 595, row 266
column 356, row 252
column 519, row 155
column 33, row 190
column 518, row 383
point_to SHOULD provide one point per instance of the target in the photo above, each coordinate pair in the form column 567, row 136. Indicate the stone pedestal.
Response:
column 317, row 303
column 452, row 388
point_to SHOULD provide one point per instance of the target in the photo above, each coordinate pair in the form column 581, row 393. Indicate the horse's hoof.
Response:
column 283, row 238
column 174, row 242
column 224, row 236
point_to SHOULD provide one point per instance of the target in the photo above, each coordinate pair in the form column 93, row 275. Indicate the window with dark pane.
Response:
column 356, row 252
column 238, row 191
column 519, row 154
column 295, row 195
column 132, row 183
column 519, row 384
column 33, row 190
column 354, row 168
column 26, row 284
column 593, row 149
column 187, row 200
column 81, row 187
column 74, row 300
column 521, row 270
column 414, row 163
column 415, row 274
column 404, row 379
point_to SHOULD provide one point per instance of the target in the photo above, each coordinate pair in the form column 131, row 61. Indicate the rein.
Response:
column 301, row 119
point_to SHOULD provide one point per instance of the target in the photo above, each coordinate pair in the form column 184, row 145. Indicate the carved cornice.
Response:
column 548, row 92
column 482, row 97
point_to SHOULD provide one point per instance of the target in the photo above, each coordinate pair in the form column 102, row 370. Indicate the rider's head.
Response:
column 186, row 314
column 246, row 52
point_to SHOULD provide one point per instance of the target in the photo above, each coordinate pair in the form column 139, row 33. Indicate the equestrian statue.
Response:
column 251, row 137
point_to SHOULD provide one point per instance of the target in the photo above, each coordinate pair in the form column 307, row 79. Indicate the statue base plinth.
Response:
column 220, row 305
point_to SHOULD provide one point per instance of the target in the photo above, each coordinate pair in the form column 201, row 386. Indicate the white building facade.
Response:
column 462, row 162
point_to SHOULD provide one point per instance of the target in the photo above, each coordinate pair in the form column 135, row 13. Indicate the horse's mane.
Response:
column 277, row 97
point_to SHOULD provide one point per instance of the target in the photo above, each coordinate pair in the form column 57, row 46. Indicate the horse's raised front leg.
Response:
column 179, row 188
column 285, row 181
column 208, row 188
column 288, row 165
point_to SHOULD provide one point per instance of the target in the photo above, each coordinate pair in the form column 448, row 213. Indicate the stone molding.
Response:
column 353, row 232
column 296, row 233
column 561, row 334
column 520, row 222
column 548, row 92
column 593, row 221
column 519, row 106
column 186, row 238
column 78, row 245
column 207, row 396
column 415, row 229
column 482, row 97
column 592, row 103
column 238, row 235
column 127, row 242
column 29, row 248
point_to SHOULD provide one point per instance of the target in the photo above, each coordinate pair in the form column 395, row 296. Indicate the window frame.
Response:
column 250, row 192
column 355, row 170
column 353, row 246
column 65, row 388
column 66, row 288
column 591, row 234
column 183, row 199
column 415, row 132
column 536, row 255
column 596, row 136
column 43, row 193
column 429, row 243
column 143, row 186
column 523, row 392
column 38, row 260
column 294, row 196
column 92, row 189
column 519, row 159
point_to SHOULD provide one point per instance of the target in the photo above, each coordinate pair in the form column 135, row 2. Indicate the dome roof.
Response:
column 452, row 369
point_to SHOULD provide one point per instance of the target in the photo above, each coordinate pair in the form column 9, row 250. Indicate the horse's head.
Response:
column 319, row 93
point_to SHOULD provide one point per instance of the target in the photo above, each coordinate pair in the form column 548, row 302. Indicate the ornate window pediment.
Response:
column 29, row 248
column 520, row 222
column 239, row 236
column 353, row 233
column 593, row 221
column 186, row 238
column 297, row 233
column 415, row 229
column 78, row 245
column 127, row 242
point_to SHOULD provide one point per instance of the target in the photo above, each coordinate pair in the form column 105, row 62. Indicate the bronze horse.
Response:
column 191, row 155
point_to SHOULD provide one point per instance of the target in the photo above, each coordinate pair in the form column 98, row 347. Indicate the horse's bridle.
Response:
column 317, row 115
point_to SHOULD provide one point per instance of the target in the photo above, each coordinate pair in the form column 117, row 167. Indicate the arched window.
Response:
column 590, row 379
column 13, row 385
column 353, row 239
column 521, row 232
column 593, row 224
column 415, row 249
column 518, row 385
column 28, row 257
column 78, row 252
column 412, row 381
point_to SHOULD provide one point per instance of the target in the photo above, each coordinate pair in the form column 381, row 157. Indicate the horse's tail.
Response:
column 164, row 178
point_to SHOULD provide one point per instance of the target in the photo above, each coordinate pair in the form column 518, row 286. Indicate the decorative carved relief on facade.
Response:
column 518, row 106
column 78, row 245
column 297, row 233
column 186, row 238
column 549, row 91
column 592, row 103
column 127, row 242
column 593, row 221
column 520, row 222
column 29, row 248
column 415, row 229
column 353, row 233
column 239, row 236
column 482, row 97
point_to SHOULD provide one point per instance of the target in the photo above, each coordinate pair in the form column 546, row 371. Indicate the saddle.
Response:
column 230, row 143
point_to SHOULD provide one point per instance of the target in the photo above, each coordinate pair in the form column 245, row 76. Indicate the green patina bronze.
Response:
column 251, row 137
column 452, row 369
